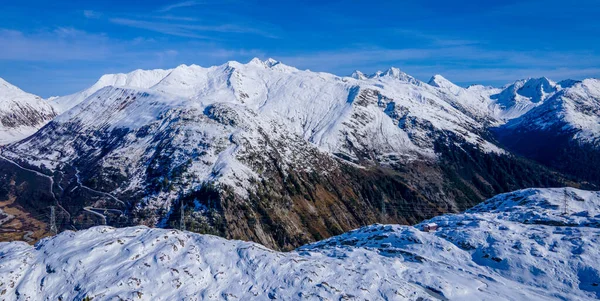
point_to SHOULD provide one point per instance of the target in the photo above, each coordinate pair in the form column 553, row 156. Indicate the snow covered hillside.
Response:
column 502, row 104
column 254, row 151
column 562, row 132
column 523, row 95
column 524, row 245
column 138, row 78
column 208, row 118
column 516, row 246
column 21, row 113
column 389, row 117
column 321, row 108
column 574, row 110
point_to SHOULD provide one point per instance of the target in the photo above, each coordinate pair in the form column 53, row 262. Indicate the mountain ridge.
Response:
column 255, row 151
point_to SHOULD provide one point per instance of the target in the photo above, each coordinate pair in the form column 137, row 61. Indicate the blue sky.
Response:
column 59, row 47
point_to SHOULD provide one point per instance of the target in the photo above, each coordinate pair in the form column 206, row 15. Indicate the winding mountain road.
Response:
column 41, row 175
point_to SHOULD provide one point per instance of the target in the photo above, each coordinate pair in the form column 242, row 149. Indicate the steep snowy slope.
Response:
column 138, row 79
column 380, row 119
column 575, row 110
column 523, row 95
column 21, row 113
column 257, row 150
column 473, row 102
column 516, row 246
column 499, row 105
column 533, row 244
column 563, row 132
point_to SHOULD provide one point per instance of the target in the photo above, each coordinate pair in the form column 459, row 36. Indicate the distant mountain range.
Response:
column 265, row 152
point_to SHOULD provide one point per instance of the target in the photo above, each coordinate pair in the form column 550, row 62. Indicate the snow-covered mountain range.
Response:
column 534, row 244
column 21, row 113
column 562, row 132
column 257, row 150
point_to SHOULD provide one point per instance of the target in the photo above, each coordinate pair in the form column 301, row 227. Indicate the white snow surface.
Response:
column 316, row 106
column 28, row 112
column 573, row 110
column 501, row 104
column 516, row 246
column 522, row 96
column 138, row 79
column 390, row 116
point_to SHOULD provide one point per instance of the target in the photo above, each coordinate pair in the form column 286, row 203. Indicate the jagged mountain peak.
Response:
column 438, row 78
column 441, row 82
column 396, row 74
column 359, row 75
column 270, row 62
column 390, row 72
column 536, row 89
column 523, row 95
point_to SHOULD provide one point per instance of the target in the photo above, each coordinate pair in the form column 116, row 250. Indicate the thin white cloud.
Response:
column 67, row 44
column 434, row 39
column 176, row 18
column 179, row 5
column 191, row 30
column 61, row 44
column 164, row 28
column 90, row 14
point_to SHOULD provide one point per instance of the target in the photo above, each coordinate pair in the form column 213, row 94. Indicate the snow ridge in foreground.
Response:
column 516, row 246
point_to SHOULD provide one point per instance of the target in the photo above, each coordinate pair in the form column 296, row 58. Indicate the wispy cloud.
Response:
column 62, row 43
column 191, row 30
column 90, row 14
column 69, row 44
column 176, row 18
column 433, row 39
column 164, row 28
column 179, row 5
